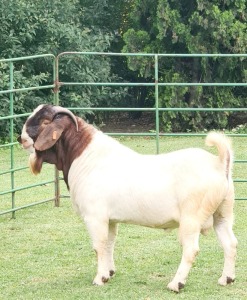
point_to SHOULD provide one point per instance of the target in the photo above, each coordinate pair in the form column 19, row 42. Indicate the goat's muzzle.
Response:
column 26, row 144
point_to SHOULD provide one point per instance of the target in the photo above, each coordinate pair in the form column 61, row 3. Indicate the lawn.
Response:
column 46, row 252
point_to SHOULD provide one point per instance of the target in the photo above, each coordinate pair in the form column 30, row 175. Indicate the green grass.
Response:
column 46, row 252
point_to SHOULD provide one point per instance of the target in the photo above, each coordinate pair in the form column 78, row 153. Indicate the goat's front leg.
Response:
column 98, row 230
column 189, row 237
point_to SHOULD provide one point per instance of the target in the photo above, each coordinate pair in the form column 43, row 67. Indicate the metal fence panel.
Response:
column 8, row 184
column 13, row 172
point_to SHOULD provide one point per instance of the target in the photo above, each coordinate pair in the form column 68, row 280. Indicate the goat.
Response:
column 109, row 183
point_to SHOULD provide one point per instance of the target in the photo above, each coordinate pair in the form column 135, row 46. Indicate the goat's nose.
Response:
column 19, row 139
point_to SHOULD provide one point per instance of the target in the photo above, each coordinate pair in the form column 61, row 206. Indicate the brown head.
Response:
column 53, row 134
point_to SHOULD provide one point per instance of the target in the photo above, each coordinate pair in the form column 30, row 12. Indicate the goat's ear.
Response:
column 49, row 136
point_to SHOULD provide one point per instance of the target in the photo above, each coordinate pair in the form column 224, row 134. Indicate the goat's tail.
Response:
column 224, row 147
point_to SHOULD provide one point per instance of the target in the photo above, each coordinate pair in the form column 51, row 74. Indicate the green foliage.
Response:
column 138, row 41
column 39, row 27
column 241, row 129
column 167, row 26
column 23, row 102
column 150, row 26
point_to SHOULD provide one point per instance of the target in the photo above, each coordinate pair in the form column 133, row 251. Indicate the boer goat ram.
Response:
column 191, row 189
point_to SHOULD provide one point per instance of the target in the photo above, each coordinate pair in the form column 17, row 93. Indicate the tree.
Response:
column 198, row 26
column 38, row 27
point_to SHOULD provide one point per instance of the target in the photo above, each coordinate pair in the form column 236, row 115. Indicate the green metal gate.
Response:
column 8, row 176
column 57, row 85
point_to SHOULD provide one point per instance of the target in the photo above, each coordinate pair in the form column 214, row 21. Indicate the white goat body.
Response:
column 191, row 189
column 148, row 190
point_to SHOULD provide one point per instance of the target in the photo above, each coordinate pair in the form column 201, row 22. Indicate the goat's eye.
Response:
column 46, row 122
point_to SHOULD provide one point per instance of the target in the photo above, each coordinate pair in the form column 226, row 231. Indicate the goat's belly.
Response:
column 157, row 212
column 149, row 207
column 145, row 220
column 166, row 225
column 152, row 204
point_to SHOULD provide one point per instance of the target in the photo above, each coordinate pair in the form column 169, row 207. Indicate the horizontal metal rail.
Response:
column 213, row 55
column 154, row 109
column 15, row 59
column 13, row 170
column 14, row 116
column 26, row 187
column 26, row 206
column 40, row 87
column 152, row 84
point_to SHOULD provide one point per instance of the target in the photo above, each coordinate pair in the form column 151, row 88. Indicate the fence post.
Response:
column 157, row 127
column 11, row 111
column 56, row 102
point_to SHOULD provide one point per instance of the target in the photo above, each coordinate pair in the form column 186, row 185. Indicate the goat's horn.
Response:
column 62, row 110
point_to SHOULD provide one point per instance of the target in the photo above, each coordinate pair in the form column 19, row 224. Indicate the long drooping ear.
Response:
column 49, row 136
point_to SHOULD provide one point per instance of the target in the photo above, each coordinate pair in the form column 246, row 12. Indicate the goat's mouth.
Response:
column 28, row 147
column 27, row 144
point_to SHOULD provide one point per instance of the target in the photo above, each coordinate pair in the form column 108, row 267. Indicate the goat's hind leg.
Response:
column 189, row 231
column 223, row 222
column 110, row 247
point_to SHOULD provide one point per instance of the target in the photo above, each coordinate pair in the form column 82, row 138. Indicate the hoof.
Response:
column 229, row 280
column 175, row 287
column 104, row 279
column 111, row 273
column 225, row 280
column 100, row 281
column 180, row 286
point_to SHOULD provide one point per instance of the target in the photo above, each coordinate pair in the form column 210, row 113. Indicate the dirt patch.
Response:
column 124, row 122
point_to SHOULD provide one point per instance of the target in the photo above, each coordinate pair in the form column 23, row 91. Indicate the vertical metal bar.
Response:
column 157, row 122
column 56, row 80
column 11, row 133
column 56, row 102
column 57, row 188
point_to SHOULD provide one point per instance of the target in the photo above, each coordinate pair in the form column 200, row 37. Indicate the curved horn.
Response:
column 62, row 110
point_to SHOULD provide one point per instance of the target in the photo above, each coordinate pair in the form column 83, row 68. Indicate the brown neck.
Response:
column 70, row 146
